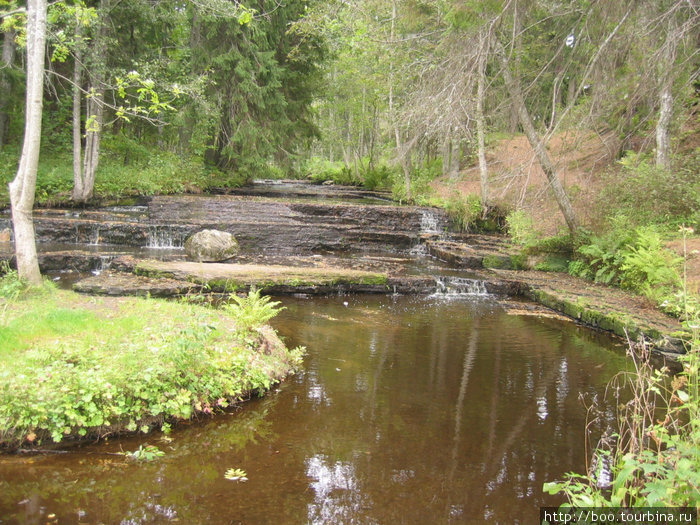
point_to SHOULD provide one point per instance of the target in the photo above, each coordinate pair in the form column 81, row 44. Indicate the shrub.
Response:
column 253, row 310
column 655, row 453
column 464, row 211
column 521, row 228
column 11, row 286
column 669, row 197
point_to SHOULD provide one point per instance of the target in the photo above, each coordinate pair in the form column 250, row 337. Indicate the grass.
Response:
column 75, row 366
column 151, row 172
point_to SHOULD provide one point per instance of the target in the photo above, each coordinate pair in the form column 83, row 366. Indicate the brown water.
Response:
column 409, row 410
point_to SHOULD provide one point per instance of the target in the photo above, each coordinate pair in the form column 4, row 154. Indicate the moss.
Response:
column 553, row 263
column 498, row 262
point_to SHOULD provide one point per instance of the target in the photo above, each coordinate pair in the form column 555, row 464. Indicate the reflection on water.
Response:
column 409, row 410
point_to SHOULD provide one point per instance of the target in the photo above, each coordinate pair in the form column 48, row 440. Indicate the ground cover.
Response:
column 74, row 366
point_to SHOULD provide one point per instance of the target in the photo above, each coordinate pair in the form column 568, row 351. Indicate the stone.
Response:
column 211, row 246
column 5, row 235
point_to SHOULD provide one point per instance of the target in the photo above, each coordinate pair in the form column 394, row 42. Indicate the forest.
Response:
column 569, row 128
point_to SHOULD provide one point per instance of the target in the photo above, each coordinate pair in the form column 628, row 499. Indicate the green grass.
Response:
column 75, row 366
column 150, row 172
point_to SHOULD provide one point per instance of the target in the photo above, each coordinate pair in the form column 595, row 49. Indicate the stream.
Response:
column 442, row 408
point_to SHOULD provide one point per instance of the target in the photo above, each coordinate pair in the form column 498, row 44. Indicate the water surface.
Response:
column 408, row 410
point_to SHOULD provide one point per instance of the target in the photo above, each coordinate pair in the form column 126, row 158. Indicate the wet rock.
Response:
column 119, row 284
column 211, row 246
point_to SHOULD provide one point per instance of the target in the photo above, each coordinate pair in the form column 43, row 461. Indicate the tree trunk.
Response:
column 447, row 153
column 78, row 187
column 95, row 107
column 481, row 129
column 8, row 57
column 517, row 28
column 401, row 154
column 23, row 187
column 663, row 140
column 545, row 162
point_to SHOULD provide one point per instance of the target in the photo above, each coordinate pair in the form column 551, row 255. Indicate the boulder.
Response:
column 211, row 246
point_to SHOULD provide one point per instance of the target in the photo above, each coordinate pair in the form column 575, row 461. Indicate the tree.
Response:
column 8, row 58
column 535, row 141
column 84, row 179
column 23, row 187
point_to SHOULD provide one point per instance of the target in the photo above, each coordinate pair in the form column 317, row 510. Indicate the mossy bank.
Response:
column 74, row 367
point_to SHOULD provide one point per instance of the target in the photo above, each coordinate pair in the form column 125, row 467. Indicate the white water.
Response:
column 429, row 222
column 162, row 239
column 459, row 286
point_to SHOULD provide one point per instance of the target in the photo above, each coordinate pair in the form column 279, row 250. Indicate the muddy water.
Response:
column 408, row 410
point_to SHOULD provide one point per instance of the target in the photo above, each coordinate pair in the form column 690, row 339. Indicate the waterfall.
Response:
column 429, row 222
column 162, row 238
column 460, row 286
column 104, row 263
column 95, row 237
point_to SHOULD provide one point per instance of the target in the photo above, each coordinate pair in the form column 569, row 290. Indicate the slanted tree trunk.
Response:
column 481, row 127
column 513, row 86
column 23, row 187
column 8, row 57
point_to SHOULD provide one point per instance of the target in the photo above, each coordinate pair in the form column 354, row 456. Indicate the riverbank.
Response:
column 74, row 367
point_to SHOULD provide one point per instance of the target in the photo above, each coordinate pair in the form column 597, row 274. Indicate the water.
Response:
column 456, row 286
column 408, row 410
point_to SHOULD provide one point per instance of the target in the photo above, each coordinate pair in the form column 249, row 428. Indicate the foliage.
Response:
column 254, row 310
column 634, row 259
column 236, row 474
column 71, row 366
column 321, row 170
column 464, row 212
column 657, row 453
column 11, row 286
column 520, row 227
column 669, row 197
column 147, row 453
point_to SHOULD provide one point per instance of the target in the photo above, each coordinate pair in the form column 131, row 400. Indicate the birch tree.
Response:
column 23, row 187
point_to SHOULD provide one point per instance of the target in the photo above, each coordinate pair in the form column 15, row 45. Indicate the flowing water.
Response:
column 441, row 409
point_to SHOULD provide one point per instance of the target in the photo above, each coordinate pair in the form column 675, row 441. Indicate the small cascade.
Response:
column 419, row 250
column 162, row 238
column 94, row 237
column 429, row 222
column 460, row 286
column 104, row 262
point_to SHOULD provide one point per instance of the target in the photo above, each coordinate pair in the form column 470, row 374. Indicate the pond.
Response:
column 441, row 409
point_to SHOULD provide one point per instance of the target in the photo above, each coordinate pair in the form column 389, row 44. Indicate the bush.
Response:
column 521, row 228
column 67, row 369
column 464, row 211
column 670, row 197
column 322, row 170
column 252, row 311
column 655, row 453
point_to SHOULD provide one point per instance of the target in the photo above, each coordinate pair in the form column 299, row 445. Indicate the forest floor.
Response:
column 583, row 161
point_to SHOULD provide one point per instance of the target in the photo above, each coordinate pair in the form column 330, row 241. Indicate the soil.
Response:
column 517, row 181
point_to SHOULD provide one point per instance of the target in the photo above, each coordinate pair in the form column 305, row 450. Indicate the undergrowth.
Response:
column 72, row 366
column 652, row 458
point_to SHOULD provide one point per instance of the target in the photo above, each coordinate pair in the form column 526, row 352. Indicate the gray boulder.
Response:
column 211, row 246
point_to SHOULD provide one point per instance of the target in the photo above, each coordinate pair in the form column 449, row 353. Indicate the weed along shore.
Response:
column 75, row 367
